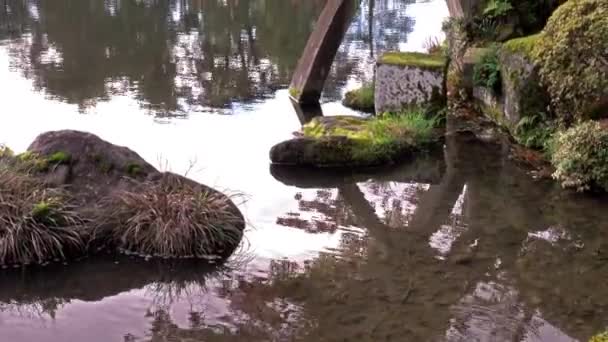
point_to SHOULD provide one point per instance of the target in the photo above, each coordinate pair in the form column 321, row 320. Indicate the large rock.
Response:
column 405, row 80
column 96, row 167
column 522, row 88
column 348, row 141
column 97, row 174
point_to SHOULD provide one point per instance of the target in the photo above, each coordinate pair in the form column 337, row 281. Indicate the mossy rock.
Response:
column 571, row 53
column 347, row 141
column 414, row 59
column 361, row 99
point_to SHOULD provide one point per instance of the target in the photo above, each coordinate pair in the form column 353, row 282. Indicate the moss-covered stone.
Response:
column 346, row 141
column 361, row 99
column 571, row 53
column 523, row 93
column 523, row 45
column 414, row 59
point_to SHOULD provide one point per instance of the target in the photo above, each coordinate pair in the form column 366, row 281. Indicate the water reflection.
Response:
column 519, row 265
column 177, row 57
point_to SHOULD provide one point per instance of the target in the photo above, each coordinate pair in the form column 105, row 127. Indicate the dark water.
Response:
column 461, row 245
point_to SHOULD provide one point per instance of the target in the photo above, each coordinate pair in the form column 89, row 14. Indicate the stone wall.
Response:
column 410, row 80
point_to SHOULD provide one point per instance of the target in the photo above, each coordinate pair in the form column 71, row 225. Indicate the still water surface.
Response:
column 462, row 245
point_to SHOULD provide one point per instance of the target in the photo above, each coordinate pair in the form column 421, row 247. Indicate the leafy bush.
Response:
column 580, row 157
column 37, row 223
column 573, row 59
column 487, row 72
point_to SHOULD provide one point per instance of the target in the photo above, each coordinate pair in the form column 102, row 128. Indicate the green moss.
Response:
column 42, row 210
column 572, row 59
column 295, row 92
column 603, row 337
column 134, row 169
column 360, row 99
column 59, row 158
column 524, row 45
column 414, row 59
column 379, row 139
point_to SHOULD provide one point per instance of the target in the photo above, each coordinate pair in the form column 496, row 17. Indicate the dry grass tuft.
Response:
column 37, row 223
column 171, row 218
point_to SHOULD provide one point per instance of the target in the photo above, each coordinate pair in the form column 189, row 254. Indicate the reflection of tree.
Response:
column 178, row 56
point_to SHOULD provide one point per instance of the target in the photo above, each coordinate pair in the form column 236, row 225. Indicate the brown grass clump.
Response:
column 37, row 223
column 171, row 218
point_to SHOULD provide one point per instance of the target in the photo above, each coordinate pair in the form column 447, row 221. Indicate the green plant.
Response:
column 497, row 8
column 486, row 73
column 361, row 99
column 37, row 223
column 172, row 218
column 580, row 157
column 535, row 131
column 572, row 59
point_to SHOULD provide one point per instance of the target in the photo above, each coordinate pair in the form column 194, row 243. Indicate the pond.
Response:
column 459, row 245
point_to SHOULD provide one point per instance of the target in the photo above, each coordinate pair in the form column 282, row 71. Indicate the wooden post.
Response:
column 315, row 63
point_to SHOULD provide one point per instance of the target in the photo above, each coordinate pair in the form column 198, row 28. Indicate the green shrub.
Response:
column 573, row 60
column 580, row 157
column 497, row 8
column 486, row 73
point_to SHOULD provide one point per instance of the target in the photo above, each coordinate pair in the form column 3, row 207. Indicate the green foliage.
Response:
column 497, row 8
column 535, row 131
column 361, row 99
column 603, row 337
column 415, row 59
column 487, row 72
column 580, row 157
column 573, row 62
